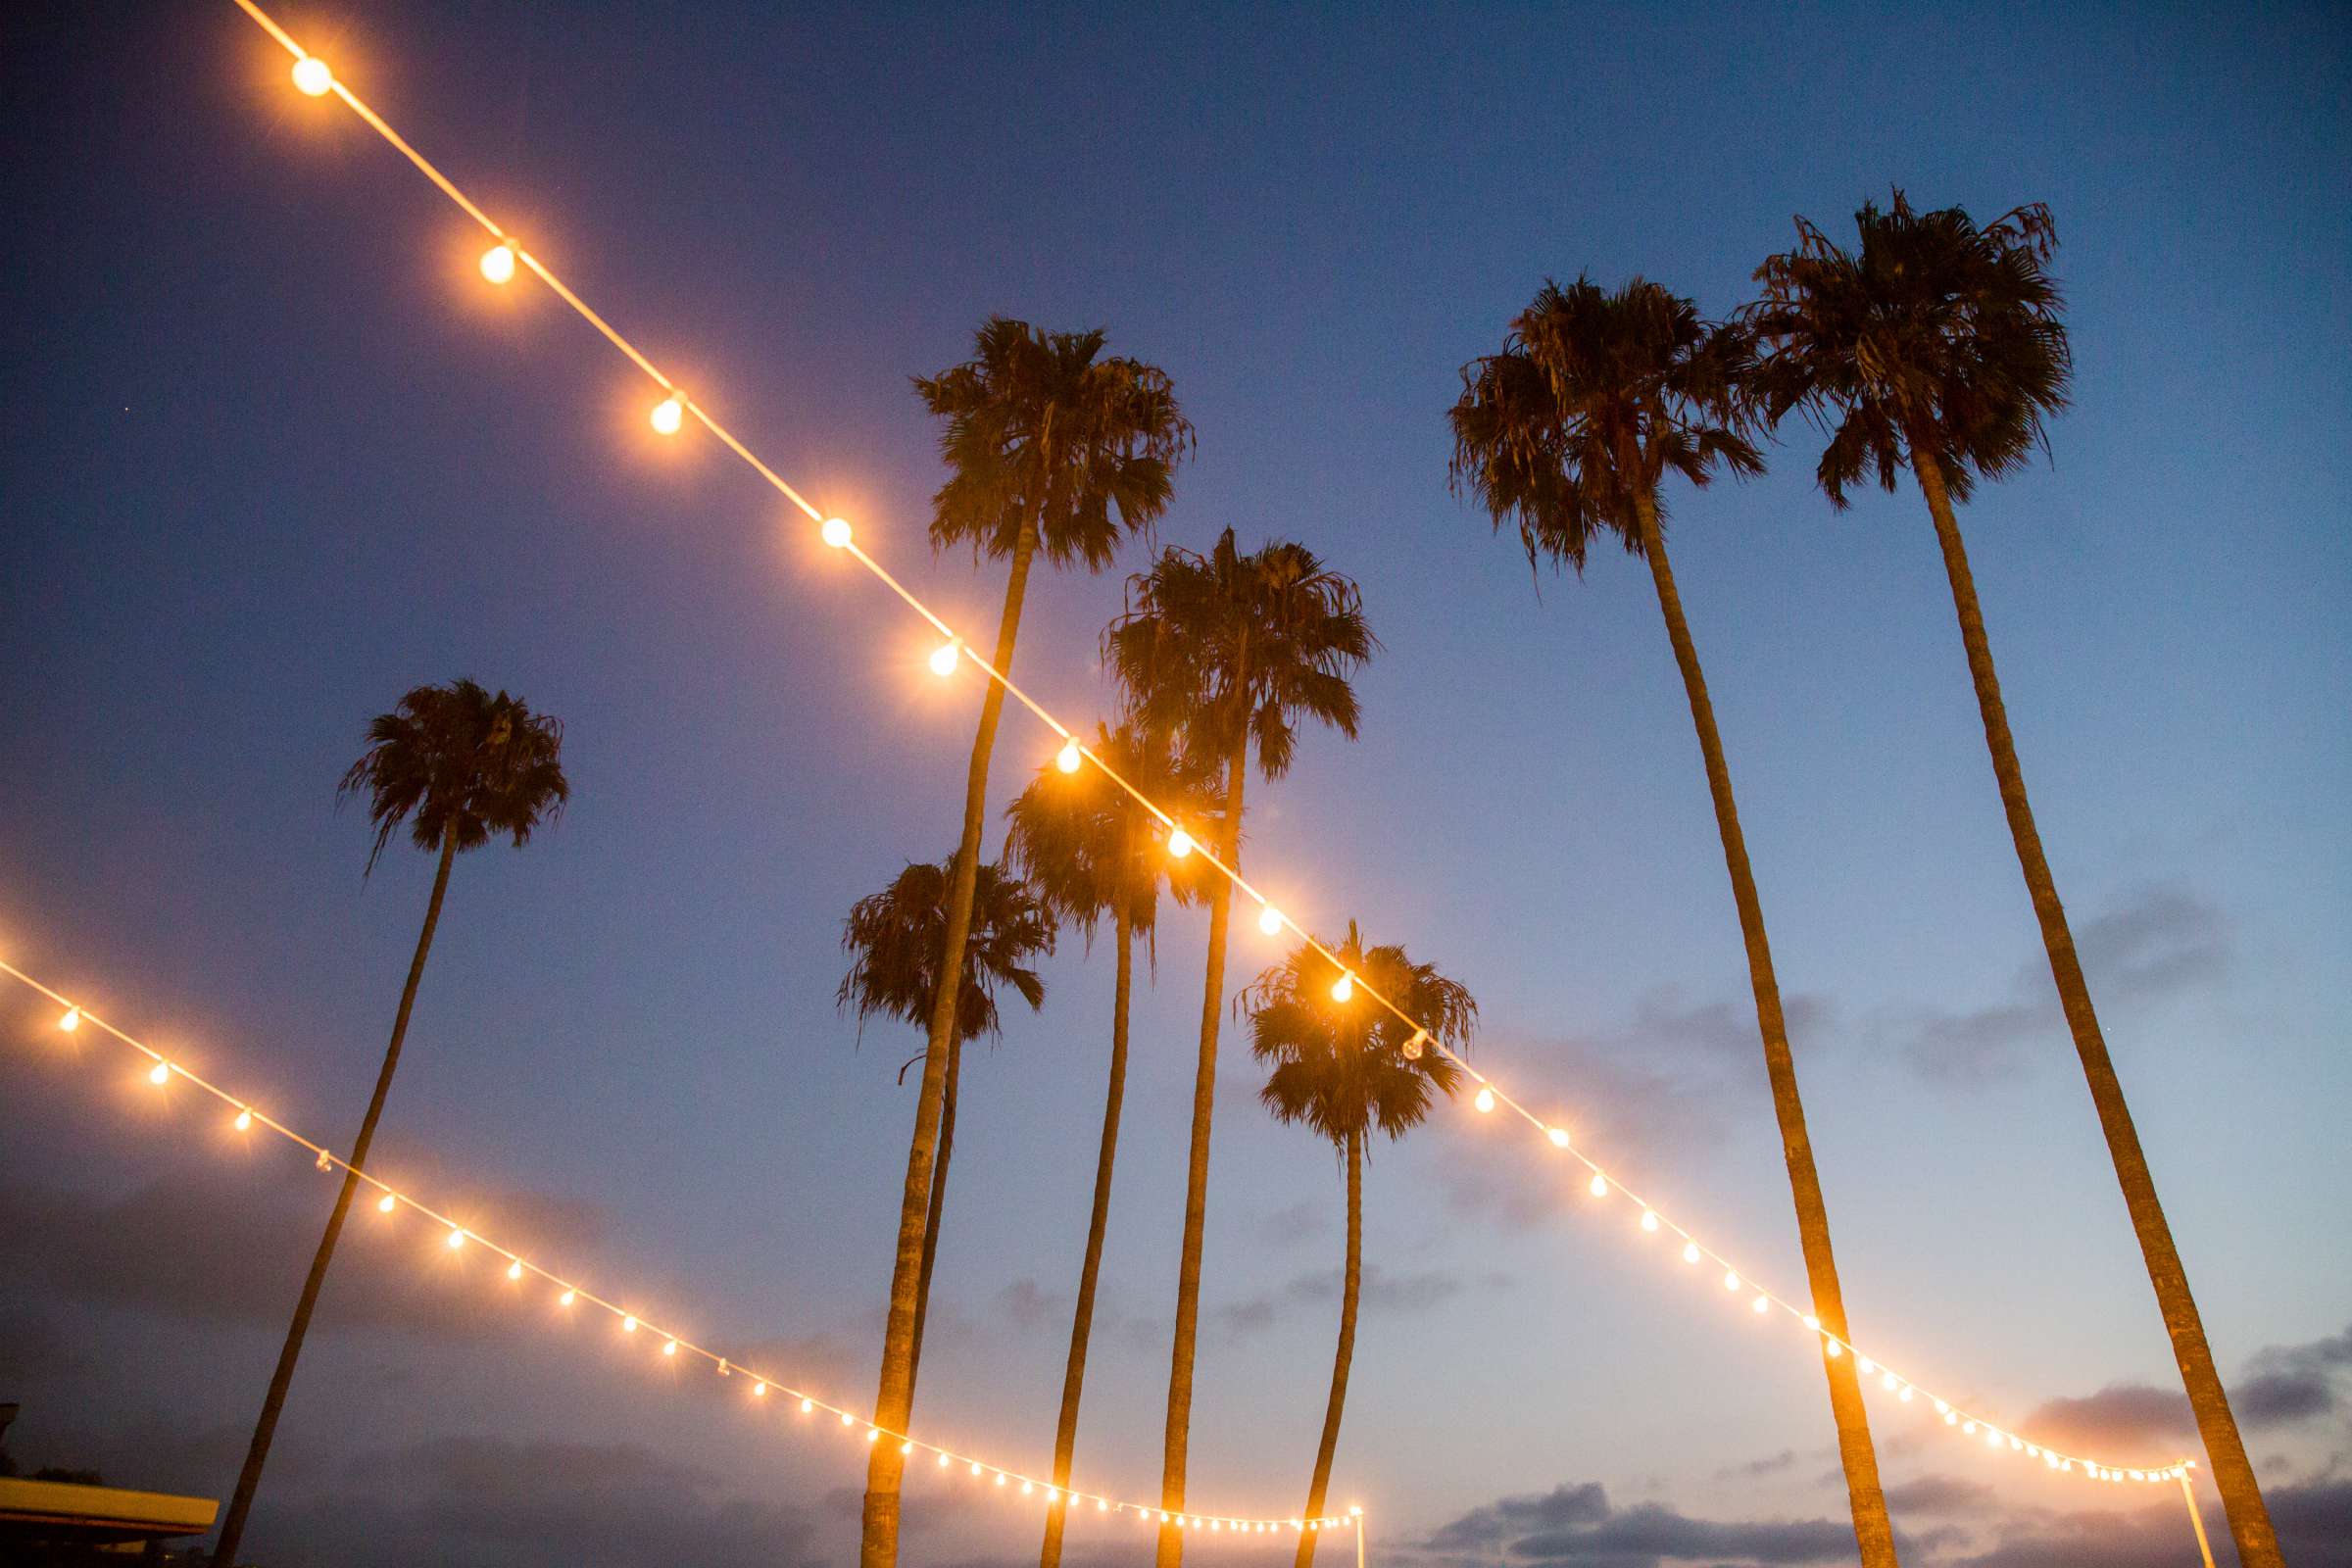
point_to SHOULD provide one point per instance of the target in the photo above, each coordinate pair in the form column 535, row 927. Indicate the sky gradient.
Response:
column 276, row 453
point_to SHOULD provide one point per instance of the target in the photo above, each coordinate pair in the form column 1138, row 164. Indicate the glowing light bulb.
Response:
column 1689, row 1252
column 846, row 1418
column 1731, row 1282
column 1835, row 1350
column 71, row 1021
column 975, row 1467
column 386, row 1202
column 2016, row 1445
column 326, row 1161
column 628, row 1325
column 1864, row 1365
column 1026, row 1489
column 1343, row 988
column 807, row 1406
column 1943, row 1407
column 1068, row 758
column 1649, row 1221
column 1812, row 1324
column 907, row 1446
column 1598, row 1186
column 669, row 1348
column 1558, row 1137
column 244, row 1120
column 160, row 1073
column 1412, row 1046
column 1180, row 842
column 946, row 655
column 1761, row 1304
column 1269, row 920
column 1888, row 1382
column 569, row 1297
column 669, row 415
column 835, row 532
column 1102, row 1506
column 497, row 262
column 874, row 1434
column 514, row 1269
column 759, row 1390
column 1951, row 1418
column 1968, row 1428
column 999, row 1478
column 1993, row 1438
column 1485, row 1100
column 312, row 76
column 943, row 1461
column 1905, row 1395
column 456, row 1239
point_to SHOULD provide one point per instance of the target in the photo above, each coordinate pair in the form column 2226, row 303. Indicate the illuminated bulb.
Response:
column 1068, row 758
column 669, row 415
column 1968, row 1428
column 835, row 532
column 999, row 1478
column 2033, row 1450
column 943, row 1461
column 312, row 76
column 2016, row 1445
column 907, row 1446
column 1943, row 1407
column 386, row 1202
column 874, row 1434
column 569, row 1297
column 1102, row 1506
column 1835, row 1350
column 326, row 1161
column 628, row 1325
column 244, row 1120
column 669, row 1348
column 759, row 1390
column 1952, row 1417
column 1731, row 1282
column 1598, row 1186
column 456, row 1239
column 1761, row 1304
column 1812, row 1324
column 1649, row 1221
column 515, row 1270
column 807, row 1406
column 1888, row 1382
column 71, row 1021
column 1558, row 1137
column 1412, row 1046
column 1906, row 1393
column 1052, row 1495
column 1993, row 1438
column 160, row 1073
column 1485, row 1100
column 497, row 262
column 846, row 1418
column 1180, row 842
column 1340, row 989
column 975, row 1467
column 1269, row 920
column 1026, row 1489
column 1689, row 1252
column 1864, row 1365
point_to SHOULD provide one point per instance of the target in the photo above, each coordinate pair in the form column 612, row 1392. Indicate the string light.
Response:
column 244, row 1121
column 1069, row 758
column 836, row 532
column 386, row 1202
column 945, row 656
column 71, row 1021
column 514, row 1269
column 1558, row 1136
column 669, row 415
column 569, row 1297
column 497, row 262
column 1649, row 1219
column 316, row 79
column 456, row 1239
column 160, row 1074
column 312, row 76
column 1269, row 920
column 1598, row 1186
column 1343, row 988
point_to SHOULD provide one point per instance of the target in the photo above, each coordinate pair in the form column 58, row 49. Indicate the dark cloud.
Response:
column 2292, row 1382
column 1381, row 1293
column 2313, row 1521
column 1939, row 1495
column 1575, row 1524
column 1297, row 1222
column 1510, row 1517
column 1029, row 1305
column 2281, row 1383
column 2121, row 1418
column 1772, row 1464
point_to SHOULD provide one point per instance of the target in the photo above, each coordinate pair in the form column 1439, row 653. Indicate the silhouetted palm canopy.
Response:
column 1079, row 840
column 1223, row 647
column 1594, row 398
column 1342, row 1067
column 896, row 935
column 1933, row 334
column 1040, row 429
column 455, row 758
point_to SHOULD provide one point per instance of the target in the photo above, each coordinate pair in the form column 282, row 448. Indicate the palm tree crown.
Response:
column 1040, row 429
column 1227, row 648
column 459, row 761
column 1932, row 335
column 896, row 936
column 1343, row 1068
column 1594, row 398
column 1084, row 844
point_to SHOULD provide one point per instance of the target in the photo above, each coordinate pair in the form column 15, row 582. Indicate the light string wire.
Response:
column 163, row 1071
column 1272, row 919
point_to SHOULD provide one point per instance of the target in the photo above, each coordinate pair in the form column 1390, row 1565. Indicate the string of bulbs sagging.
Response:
column 504, row 262
column 387, row 1200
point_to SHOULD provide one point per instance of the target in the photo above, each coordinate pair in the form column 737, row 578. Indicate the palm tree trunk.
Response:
column 878, row 1545
column 2225, row 1450
column 1195, row 1187
column 939, row 1201
column 1351, row 1284
column 273, row 1403
column 1868, row 1502
column 1074, row 1376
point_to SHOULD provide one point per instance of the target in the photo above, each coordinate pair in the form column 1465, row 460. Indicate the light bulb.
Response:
column 71, row 1021
column 1068, row 758
column 835, row 532
column 1761, row 1304
column 1485, row 1100
column 1951, row 1418
column 907, row 1446
column 1812, row 1324
column 312, row 76
column 386, row 1202
column 807, row 1406
column 515, row 1270
column 1412, row 1046
column 946, row 655
column 1993, row 1438
column 1689, row 1252
column 1731, row 1282
column 874, row 1434
column 1888, row 1382
column 2016, row 1445
column 975, row 1467
column 1649, row 1221
column 1343, row 988
column 999, row 1478
column 846, row 1418
column 669, row 415
column 628, row 1325
column 1558, row 1137
column 1906, row 1393
column 1598, row 1186
column 1026, row 1489
column 1835, row 1350
column 244, row 1120
column 1968, row 1428
column 326, row 1161
column 1180, row 842
column 1269, row 920
column 456, row 1239
column 1864, row 1365
column 569, row 1297
column 759, row 1390
column 943, row 1461
column 497, row 262
column 160, row 1073
column 1943, row 1407
column 669, row 1348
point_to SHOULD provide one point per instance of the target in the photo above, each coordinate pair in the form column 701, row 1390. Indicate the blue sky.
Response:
column 275, row 454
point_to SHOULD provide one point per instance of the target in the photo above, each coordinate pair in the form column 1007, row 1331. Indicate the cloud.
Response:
column 1939, row 1494
column 2313, row 1521
column 1297, row 1222
column 1577, row 1525
column 2281, row 1383
column 1502, row 1520
column 1772, row 1464
column 2121, row 1417
column 2292, row 1382
column 1380, row 1292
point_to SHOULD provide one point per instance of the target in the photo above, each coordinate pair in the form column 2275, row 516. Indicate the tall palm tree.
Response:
column 461, row 767
column 1086, row 846
column 1048, row 446
column 1233, row 650
column 1343, row 1069
column 894, row 936
column 1569, row 431
column 1937, row 345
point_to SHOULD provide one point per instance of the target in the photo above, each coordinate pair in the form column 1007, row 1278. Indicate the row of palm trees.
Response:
column 1933, row 345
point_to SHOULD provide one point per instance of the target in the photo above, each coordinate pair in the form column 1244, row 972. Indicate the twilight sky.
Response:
column 276, row 453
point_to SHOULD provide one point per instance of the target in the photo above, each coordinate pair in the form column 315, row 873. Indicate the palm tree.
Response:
column 461, row 767
column 1341, row 1069
column 1568, row 432
column 1086, row 846
column 1047, row 446
column 895, row 937
column 1937, row 345
column 1231, row 651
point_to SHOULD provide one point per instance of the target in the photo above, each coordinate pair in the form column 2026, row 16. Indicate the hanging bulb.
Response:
column 71, row 1021
column 1731, row 1282
column 1598, row 1186
column 456, row 1239
column 244, row 1120
column 669, row 415
column 1951, row 1418
column 1412, row 1046
column 628, row 1325
column 1761, row 1304
column 1069, row 758
column 385, row 1204
column 326, row 1161
column 943, row 1461
column 497, row 262
column 907, row 1446
column 759, row 1390
column 1485, row 1100
column 1864, row 1365
column 1343, row 988
column 1180, row 842
column 1689, row 1252
column 669, row 1348
column 1812, row 1324
column 1269, row 920
column 807, row 1406
column 1558, row 1136
column 835, row 532
column 160, row 1074
column 1905, row 1395
column 1888, row 1382
column 1835, row 1350
column 312, row 76
column 569, row 1297
column 975, row 1467
column 846, row 1419
column 874, row 1434
column 1026, row 1489
column 514, row 1269
column 1649, row 1221
column 946, row 655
